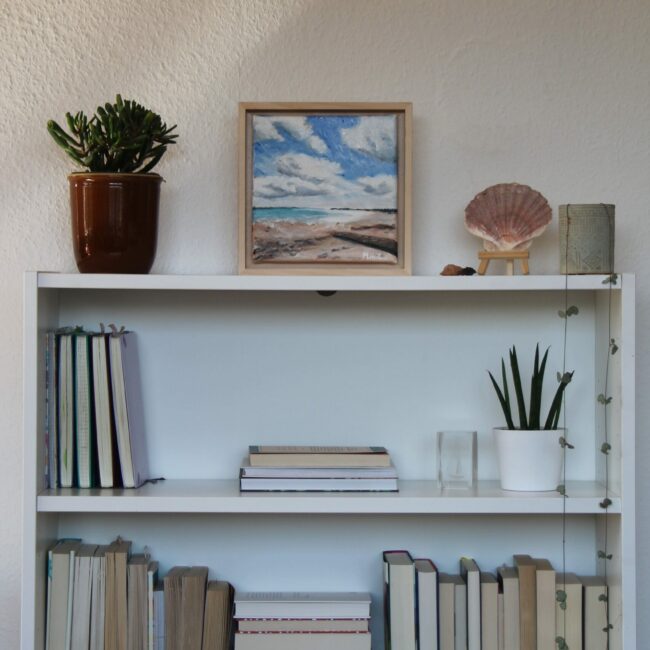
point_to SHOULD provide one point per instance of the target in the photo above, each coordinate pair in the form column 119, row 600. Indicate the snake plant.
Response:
column 532, row 419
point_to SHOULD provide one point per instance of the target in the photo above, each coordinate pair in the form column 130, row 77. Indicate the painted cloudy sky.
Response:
column 324, row 161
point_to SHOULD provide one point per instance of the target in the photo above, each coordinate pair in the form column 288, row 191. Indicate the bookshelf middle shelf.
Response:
column 414, row 497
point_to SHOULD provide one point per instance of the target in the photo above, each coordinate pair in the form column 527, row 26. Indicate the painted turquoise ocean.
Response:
column 310, row 215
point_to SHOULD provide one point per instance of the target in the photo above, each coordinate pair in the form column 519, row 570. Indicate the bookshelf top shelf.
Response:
column 414, row 497
column 325, row 283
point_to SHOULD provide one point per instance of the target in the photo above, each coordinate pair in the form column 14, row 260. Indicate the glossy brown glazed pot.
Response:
column 114, row 221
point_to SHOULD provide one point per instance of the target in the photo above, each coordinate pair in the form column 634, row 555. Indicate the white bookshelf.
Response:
column 229, row 361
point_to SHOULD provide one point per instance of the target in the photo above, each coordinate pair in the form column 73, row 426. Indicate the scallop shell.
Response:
column 508, row 216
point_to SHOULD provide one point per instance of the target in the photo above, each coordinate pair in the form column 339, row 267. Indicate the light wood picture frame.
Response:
column 325, row 188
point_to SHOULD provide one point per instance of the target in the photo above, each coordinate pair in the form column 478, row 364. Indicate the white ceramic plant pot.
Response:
column 529, row 461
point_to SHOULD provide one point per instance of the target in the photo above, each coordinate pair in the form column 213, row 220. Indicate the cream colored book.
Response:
column 137, row 627
column 489, row 612
column 399, row 600
column 193, row 606
column 569, row 620
column 545, row 595
column 509, row 588
column 115, row 619
column 595, row 613
column 446, row 611
column 173, row 607
column 292, row 641
column 315, row 456
column 527, row 573
column 217, row 618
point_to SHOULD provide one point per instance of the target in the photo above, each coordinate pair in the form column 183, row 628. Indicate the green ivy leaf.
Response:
column 605, row 503
column 564, row 443
column 603, row 556
column 603, row 598
column 608, row 628
column 613, row 346
column 561, row 314
column 611, row 279
column 561, row 643
column 605, row 448
column 603, row 400
column 572, row 311
column 561, row 489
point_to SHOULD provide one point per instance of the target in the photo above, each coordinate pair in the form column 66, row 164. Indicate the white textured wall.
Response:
column 551, row 93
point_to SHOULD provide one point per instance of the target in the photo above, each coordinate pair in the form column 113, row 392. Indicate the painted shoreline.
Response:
column 370, row 237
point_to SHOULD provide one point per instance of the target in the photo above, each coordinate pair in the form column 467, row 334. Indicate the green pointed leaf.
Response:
column 516, row 378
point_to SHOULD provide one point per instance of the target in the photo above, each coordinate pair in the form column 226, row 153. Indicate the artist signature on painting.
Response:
column 370, row 255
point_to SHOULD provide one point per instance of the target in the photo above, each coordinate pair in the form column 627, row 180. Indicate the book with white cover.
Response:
column 318, row 472
column 159, row 617
column 472, row 576
column 303, row 625
column 426, row 580
column 302, row 605
column 126, row 387
column 318, row 485
column 306, row 641
column 399, row 601
column 81, row 598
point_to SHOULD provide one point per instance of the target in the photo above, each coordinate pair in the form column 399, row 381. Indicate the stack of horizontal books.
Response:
column 302, row 621
column 318, row 469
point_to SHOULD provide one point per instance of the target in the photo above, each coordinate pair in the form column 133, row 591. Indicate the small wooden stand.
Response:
column 508, row 256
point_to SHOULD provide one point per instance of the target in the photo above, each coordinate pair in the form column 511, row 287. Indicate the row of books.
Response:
column 516, row 609
column 302, row 621
column 318, row 469
column 94, row 424
column 104, row 598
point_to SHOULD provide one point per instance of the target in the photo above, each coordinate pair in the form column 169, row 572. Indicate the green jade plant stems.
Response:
column 530, row 421
column 123, row 137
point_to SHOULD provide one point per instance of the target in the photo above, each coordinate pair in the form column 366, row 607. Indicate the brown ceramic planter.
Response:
column 114, row 221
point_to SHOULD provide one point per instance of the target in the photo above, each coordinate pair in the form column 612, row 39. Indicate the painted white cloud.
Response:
column 266, row 128
column 308, row 168
column 302, row 181
column 379, row 185
column 375, row 135
column 279, row 187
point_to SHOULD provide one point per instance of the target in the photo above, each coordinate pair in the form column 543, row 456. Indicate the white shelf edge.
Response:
column 48, row 280
column 414, row 497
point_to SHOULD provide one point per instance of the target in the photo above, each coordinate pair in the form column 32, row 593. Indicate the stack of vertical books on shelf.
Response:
column 105, row 598
column 516, row 609
column 318, row 469
column 302, row 621
column 94, row 423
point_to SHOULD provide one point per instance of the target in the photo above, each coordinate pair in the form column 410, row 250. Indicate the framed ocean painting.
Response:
column 325, row 188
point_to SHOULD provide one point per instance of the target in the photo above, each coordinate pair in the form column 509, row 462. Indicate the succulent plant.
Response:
column 119, row 137
column 530, row 421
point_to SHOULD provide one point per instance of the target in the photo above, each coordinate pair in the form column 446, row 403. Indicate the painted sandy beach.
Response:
column 291, row 235
column 324, row 189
